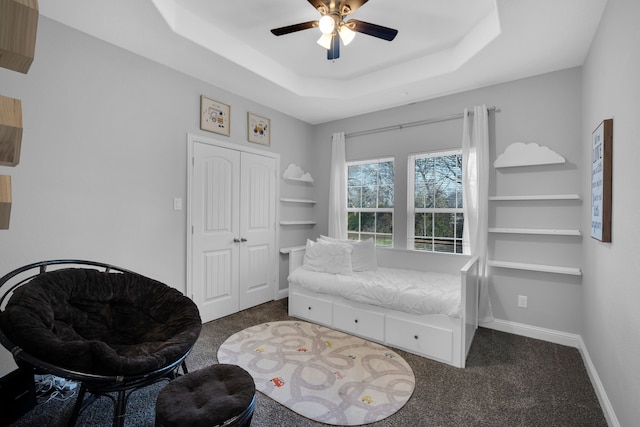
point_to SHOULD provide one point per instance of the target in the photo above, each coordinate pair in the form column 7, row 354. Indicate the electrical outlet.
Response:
column 522, row 301
column 177, row 204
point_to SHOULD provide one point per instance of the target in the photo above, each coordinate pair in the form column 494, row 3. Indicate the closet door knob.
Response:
column 242, row 239
column 236, row 240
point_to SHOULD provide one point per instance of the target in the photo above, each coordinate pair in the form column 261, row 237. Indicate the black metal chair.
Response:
column 108, row 328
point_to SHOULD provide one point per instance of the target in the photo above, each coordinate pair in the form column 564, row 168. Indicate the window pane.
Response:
column 367, row 222
column 355, row 197
column 444, row 225
column 371, row 187
column 443, row 245
column 369, row 196
column 423, row 224
column 385, row 241
column 355, row 175
column 384, row 222
column 370, row 174
column 353, row 221
column 385, row 196
column 385, row 173
column 459, row 225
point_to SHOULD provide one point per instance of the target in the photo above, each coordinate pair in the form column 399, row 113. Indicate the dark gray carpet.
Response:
column 509, row 381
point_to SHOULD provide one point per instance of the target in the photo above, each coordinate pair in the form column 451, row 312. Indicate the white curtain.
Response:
column 338, row 188
column 475, row 191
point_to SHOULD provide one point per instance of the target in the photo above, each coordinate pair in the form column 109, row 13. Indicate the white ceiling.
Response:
column 442, row 47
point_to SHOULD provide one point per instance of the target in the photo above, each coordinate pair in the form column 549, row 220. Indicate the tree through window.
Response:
column 435, row 217
column 370, row 201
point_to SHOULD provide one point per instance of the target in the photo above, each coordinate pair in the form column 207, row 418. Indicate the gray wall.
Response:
column 104, row 152
column 611, row 318
column 546, row 110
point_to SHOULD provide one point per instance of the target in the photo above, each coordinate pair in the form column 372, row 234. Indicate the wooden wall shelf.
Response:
column 18, row 28
column 5, row 201
column 10, row 130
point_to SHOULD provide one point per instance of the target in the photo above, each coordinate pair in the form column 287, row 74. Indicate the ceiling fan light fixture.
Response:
column 327, row 24
column 325, row 41
column 346, row 34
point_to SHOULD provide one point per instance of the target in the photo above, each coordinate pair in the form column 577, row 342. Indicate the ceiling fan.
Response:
column 334, row 28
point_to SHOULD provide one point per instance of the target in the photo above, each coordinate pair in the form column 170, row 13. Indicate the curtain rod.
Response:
column 412, row 124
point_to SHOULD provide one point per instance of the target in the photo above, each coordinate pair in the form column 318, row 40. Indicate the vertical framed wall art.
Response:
column 601, row 175
column 215, row 116
column 259, row 129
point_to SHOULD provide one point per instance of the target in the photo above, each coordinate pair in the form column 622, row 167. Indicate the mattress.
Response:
column 411, row 291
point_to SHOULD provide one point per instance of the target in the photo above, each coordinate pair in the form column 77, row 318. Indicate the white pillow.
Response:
column 334, row 258
column 363, row 257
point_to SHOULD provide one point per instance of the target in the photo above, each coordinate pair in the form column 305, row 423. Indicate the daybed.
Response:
column 108, row 328
column 369, row 313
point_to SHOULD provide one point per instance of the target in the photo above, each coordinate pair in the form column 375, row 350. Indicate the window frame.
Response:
column 376, row 210
column 412, row 210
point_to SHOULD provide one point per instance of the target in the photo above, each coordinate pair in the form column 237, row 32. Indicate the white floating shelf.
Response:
column 288, row 200
column 527, row 154
column 309, row 180
column 297, row 222
column 536, row 267
column 550, row 232
column 291, row 249
column 537, row 197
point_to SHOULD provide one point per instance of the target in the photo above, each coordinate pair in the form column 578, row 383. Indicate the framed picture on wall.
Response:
column 215, row 116
column 601, row 174
column 259, row 129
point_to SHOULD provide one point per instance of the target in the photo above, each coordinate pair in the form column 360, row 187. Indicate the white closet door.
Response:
column 215, row 196
column 257, row 229
column 233, row 214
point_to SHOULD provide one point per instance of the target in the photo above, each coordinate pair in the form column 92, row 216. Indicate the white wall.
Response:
column 545, row 109
column 104, row 152
column 611, row 318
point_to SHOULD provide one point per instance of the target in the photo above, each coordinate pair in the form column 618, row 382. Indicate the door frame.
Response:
column 192, row 139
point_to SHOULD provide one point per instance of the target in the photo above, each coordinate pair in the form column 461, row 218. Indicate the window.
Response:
column 435, row 217
column 370, row 201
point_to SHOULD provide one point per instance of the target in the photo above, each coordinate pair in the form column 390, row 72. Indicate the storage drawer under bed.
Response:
column 436, row 343
column 314, row 309
column 359, row 322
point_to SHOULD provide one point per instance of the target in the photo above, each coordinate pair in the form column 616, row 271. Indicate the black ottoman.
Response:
column 219, row 394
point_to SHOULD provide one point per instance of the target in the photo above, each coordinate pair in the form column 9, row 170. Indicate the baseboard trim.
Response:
column 562, row 338
column 551, row 335
column 282, row 293
column 605, row 403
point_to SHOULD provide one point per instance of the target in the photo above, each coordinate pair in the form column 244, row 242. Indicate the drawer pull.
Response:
column 415, row 336
column 356, row 320
column 309, row 308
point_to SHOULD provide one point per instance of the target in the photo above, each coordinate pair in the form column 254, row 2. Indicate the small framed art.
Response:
column 601, row 176
column 259, row 129
column 215, row 116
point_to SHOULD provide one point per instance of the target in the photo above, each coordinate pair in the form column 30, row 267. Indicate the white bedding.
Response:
column 410, row 291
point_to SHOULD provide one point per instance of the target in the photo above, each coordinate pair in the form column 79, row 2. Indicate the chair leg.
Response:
column 77, row 405
column 120, row 409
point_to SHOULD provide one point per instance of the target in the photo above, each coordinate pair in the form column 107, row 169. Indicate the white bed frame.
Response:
column 438, row 337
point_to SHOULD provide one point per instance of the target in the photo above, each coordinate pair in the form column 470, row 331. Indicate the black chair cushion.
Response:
column 206, row 397
column 101, row 323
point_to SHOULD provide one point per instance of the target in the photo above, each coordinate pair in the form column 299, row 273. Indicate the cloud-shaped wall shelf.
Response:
column 296, row 173
column 522, row 154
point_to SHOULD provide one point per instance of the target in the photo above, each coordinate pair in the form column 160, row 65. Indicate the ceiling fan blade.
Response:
column 293, row 28
column 350, row 6
column 334, row 50
column 374, row 30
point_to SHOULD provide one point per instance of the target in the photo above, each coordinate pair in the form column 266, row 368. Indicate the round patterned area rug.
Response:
column 322, row 374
